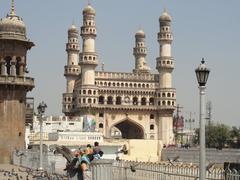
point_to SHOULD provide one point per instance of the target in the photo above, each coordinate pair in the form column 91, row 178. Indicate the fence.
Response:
column 126, row 170
column 130, row 170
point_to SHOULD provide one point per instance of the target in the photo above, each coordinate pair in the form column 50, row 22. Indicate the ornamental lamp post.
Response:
column 202, row 73
column 41, row 110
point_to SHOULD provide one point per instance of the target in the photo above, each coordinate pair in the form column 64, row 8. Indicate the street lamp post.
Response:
column 41, row 109
column 202, row 73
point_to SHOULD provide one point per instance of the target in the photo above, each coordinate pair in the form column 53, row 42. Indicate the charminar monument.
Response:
column 138, row 104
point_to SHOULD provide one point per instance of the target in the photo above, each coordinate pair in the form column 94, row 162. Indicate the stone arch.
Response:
column 129, row 129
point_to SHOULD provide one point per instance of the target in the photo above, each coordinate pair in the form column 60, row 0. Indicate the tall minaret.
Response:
column 72, row 69
column 88, row 60
column 140, row 53
column 88, row 57
column 166, row 94
column 14, row 84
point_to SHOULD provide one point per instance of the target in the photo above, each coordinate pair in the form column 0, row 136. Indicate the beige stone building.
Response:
column 137, row 104
column 14, row 84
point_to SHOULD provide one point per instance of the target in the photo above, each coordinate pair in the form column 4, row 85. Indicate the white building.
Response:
column 139, row 104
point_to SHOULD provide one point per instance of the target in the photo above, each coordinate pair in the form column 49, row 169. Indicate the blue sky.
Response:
column 203, row 28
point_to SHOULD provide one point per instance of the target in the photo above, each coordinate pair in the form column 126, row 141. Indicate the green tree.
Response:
column 234, row 141
column 217, row 136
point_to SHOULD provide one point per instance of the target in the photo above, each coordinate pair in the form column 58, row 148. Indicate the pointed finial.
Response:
column 203, row 61
column 165, row 10
column 12, row 8
column 89, row 3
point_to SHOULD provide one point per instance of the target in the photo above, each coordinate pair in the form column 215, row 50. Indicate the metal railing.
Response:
column 130, row 170
column 125, row 170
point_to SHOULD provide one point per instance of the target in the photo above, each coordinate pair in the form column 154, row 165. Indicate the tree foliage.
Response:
column 220, row 136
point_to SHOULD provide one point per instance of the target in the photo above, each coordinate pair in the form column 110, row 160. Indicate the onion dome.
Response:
column 73, row 28
column 140, row 33
column 12, row 27
column 89, row 10
column 165, row 16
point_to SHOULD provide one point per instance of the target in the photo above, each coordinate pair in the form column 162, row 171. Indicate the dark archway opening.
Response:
column 130, row 130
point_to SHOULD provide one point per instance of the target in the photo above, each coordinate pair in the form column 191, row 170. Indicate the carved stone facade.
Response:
column 14, row 85
column 139, row 104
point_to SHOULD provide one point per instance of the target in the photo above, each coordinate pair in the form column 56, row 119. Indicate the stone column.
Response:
column 13, row 66
column 22, row 66
column 3, row 67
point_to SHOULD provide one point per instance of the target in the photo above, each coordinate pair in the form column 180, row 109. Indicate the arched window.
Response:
column 84, row 100
column 143, row 101
column 118, row 100
column 152, row 137
column 100, row 125
column 172, row 94
column 151, row 127
column 151, row 101
column 18, row 66
column 109, row 100
column 168, row 95
column 163, row 95
column 89, row 100
column 135, row 101
column 89, row 92
column 94, row 101
column 151, row 116
column 164, row 103
column 8, row 64
column 109, row 84
column 169, row 103
column 101, row 100
column 94, row 92
column 84, row 91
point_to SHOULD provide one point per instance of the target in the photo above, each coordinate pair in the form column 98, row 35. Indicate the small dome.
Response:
column 12, row 27
column 165, row 16
column 72, row 28
column 140, row 33
column 89, row 10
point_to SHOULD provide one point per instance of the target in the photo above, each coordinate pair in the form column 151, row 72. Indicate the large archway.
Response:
column 130, row 130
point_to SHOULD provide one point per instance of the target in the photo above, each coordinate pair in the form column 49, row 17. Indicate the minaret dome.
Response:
column 165, row 16
column 140, row 33
column 89, row 10
column 12, row 26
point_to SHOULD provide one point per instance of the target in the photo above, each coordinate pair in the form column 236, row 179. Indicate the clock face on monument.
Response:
column 127, row 99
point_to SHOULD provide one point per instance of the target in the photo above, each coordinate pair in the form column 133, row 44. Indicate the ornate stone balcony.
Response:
column 17, row 81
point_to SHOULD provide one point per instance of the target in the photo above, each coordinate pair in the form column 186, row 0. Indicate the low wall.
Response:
column 192, row 155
